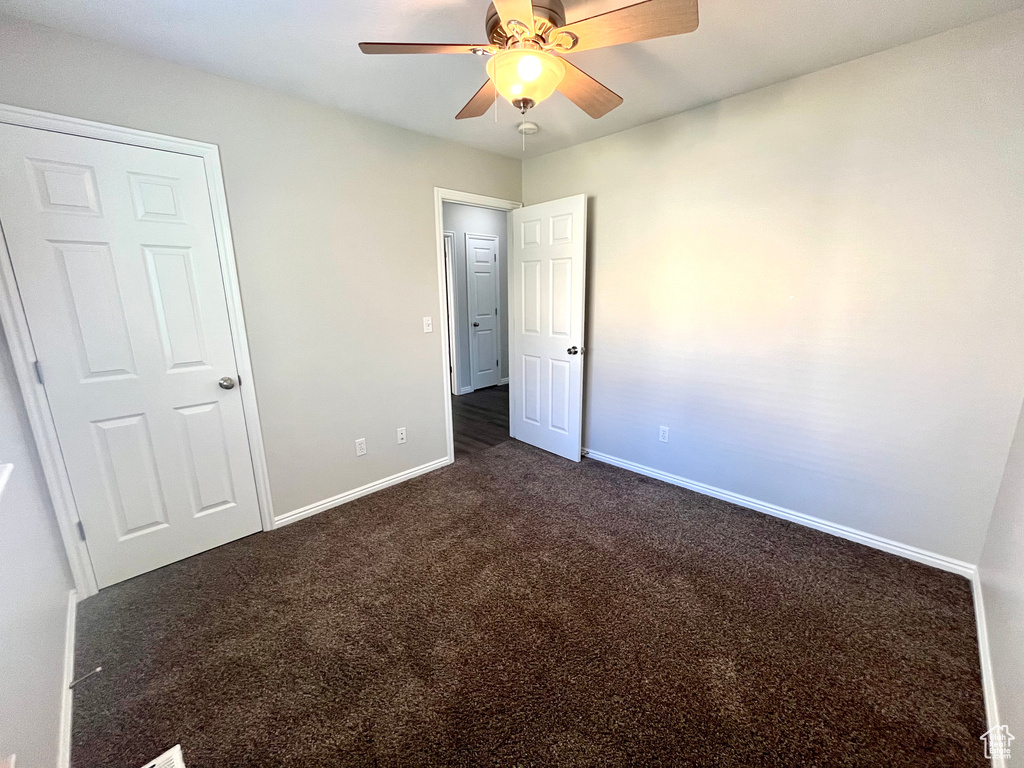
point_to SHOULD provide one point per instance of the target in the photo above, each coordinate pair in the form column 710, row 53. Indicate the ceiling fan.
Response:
column 528, row 42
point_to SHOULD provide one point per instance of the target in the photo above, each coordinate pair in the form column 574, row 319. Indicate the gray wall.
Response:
column 467, row 219
column 34, row 586
column 333, row 224
column 819, row 287
column 1002, row 579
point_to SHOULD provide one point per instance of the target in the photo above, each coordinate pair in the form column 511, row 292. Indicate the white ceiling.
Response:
column 308, row 48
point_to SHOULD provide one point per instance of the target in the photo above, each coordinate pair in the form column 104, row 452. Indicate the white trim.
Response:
column 452, row 307
column 844, row 532
column 466, row 390
column 988, row 682
column 503, row 381
column 23, row 356
column 442, row 196
column 6, row 470
column 67, row 696
column 12, row 316
column 376, row 485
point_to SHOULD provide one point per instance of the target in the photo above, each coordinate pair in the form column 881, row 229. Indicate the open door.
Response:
column 548, row 271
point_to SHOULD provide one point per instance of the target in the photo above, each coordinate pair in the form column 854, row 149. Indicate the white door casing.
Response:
column 547, row 315
column 451, row 308
column 483, row 289
column 116, row 257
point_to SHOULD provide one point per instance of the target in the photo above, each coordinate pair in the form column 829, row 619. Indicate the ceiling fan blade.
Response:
column 480, row 103
column 586, row 93
column 420, row 48
column 642, row 21
column 515, row 10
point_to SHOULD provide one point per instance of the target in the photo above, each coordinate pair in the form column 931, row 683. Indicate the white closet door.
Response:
column 548, row 268
column 484, row 331
column 116, row 259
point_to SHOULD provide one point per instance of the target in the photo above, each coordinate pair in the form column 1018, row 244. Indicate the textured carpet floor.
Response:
column 517, row 609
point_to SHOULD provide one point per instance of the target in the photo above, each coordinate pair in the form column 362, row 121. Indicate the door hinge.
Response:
column 39, row 372
column 81, row 530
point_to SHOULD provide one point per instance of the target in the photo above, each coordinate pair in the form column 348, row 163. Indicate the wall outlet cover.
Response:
column 428, row 325
column 401, row 435
column 361, row 446
column 663, row 434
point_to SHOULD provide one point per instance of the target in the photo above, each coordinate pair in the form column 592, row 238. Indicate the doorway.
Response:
column 474, row 243
column 545, row 323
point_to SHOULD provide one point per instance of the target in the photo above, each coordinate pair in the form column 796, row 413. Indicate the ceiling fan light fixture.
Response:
column 525, row 76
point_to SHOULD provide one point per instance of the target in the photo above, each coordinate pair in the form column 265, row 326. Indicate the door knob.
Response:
column 226, row 383
column 573, row 350
column 476, row 325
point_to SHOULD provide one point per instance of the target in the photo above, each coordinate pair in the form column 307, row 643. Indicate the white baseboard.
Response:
column 466, row 390
column 852, row 534
column 67, row 695
column 344, row 498
column 987, row 679
column 503, row 381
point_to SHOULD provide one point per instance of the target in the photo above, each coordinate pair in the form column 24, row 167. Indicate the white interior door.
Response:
column 548, row 268
column 484, row 333
column 116, row 259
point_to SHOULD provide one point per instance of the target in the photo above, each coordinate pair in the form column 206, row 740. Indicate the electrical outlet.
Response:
column 401, row 435
column 361, row 446
column 663, row 434
column 428, row 325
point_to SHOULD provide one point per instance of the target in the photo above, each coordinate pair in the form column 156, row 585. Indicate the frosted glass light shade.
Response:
column 525, row 76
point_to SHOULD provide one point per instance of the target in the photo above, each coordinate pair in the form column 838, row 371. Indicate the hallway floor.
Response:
column 480, row 419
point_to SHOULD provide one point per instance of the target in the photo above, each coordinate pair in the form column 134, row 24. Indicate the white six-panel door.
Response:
column 116, row 260
column 548, row 270
column 482, row 288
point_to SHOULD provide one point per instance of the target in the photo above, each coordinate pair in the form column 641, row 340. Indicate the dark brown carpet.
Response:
column 517, row 609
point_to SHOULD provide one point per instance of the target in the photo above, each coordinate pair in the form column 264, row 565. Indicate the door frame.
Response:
column 497, row 320
column 451, row 307
column 448, row 372
column 16, row 330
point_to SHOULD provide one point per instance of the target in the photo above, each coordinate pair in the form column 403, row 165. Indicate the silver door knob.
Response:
column 573, row 350
column 226, row 383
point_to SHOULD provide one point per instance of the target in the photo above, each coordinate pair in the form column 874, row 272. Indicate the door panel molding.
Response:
column 16, row 330
column 442, row 196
